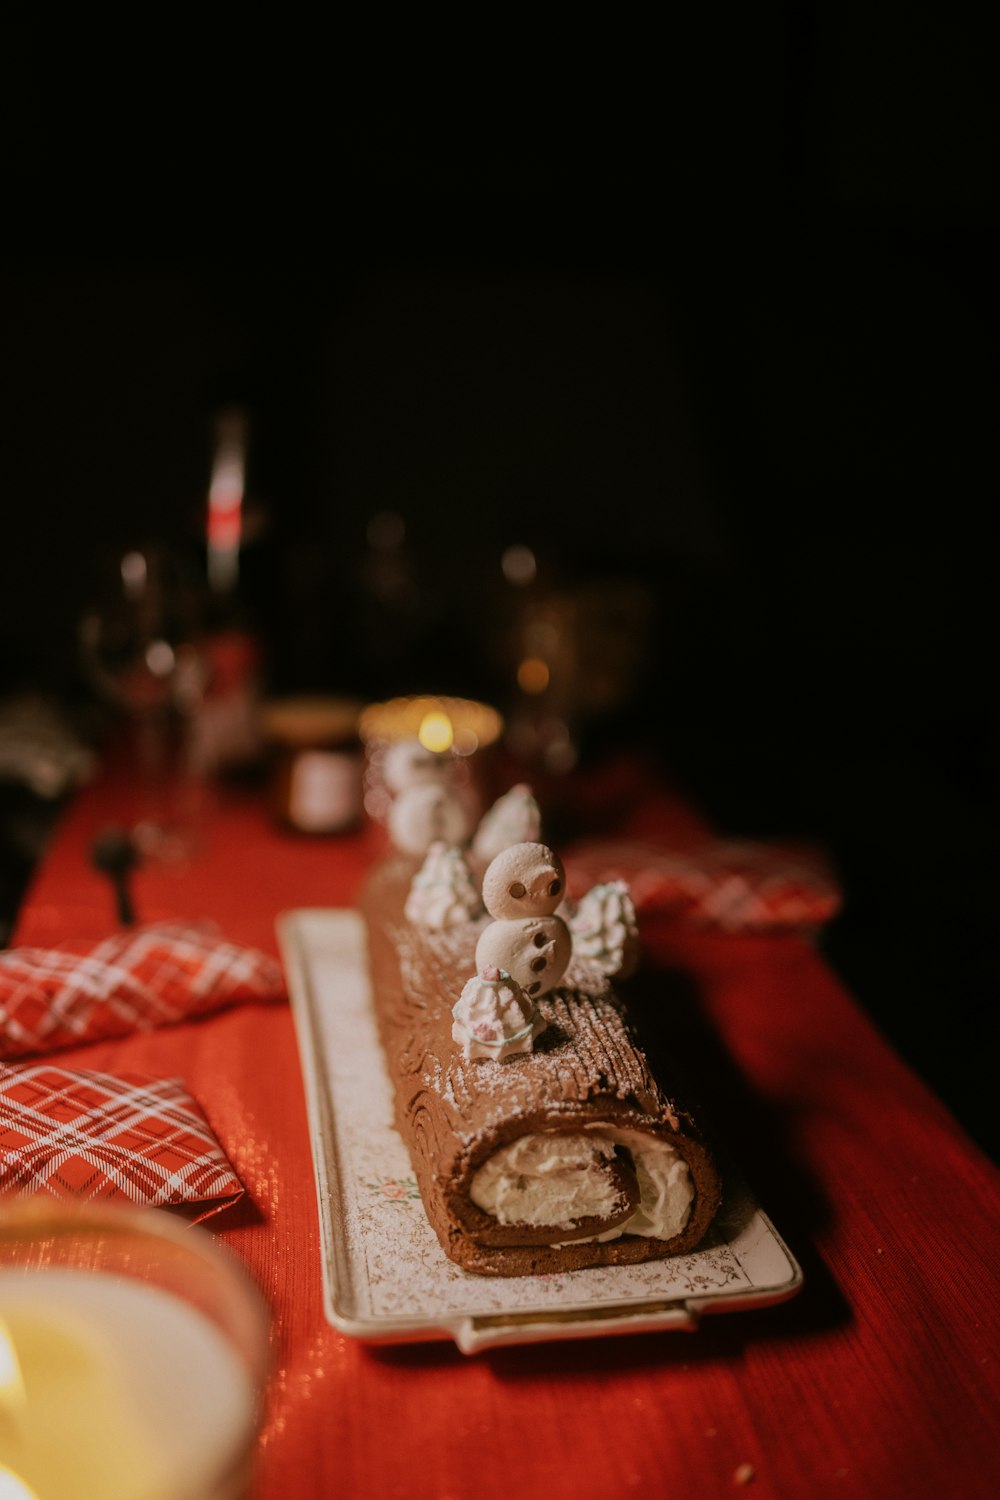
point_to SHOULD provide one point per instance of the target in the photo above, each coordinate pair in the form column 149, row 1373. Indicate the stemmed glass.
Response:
column 138, row 642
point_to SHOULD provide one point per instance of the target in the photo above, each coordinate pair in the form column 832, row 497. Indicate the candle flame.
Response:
column 11, row 1379
column 471, row 725
column 13, row 1488
column 11, row 1400
column 436, row 732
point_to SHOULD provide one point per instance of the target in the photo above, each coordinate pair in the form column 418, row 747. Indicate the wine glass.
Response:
column 138, row 642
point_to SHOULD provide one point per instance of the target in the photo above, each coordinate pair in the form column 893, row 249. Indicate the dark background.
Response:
column 730, row 336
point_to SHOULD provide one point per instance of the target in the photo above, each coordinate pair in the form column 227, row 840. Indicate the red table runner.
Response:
column 879, row 1379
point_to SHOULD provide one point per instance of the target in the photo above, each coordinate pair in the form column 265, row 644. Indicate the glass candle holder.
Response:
column 133, row 1352
column 460, row 729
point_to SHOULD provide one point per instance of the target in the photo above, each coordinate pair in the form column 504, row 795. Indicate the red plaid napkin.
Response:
column 137, row 979
column 735, row 886
column 90, row 1135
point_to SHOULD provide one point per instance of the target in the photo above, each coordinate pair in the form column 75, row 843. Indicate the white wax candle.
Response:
column 125, row 1392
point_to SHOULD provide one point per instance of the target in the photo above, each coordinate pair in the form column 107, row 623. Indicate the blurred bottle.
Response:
column 226, row 687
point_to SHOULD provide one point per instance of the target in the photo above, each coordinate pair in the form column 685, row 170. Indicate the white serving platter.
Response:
column 386, row 1278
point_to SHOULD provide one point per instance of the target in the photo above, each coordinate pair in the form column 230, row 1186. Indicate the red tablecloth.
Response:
column 879, row 1380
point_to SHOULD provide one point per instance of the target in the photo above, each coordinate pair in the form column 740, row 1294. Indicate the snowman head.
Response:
column 526, row 880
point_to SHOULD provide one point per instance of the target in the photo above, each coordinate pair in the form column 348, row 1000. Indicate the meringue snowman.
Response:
column 407, row 763
column 522, row 887
column 427, row 813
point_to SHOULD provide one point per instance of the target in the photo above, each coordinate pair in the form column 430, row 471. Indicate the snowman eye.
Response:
column 516, row 890
column 539, row 939
column 555, row 887
column 538, row 964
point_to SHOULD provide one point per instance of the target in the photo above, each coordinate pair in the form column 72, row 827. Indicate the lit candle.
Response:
column 458, row 724
column 125, row 1392
column 436, row 732
column 459, row 728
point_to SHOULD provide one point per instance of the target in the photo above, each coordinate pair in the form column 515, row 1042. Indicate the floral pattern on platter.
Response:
column 402, row 1190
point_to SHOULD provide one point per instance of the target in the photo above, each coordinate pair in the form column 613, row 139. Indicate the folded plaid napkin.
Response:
column 733, row 885
column 91, row 1135
column 136, row 979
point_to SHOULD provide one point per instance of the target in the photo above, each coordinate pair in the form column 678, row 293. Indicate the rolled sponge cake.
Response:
column 567, row 1156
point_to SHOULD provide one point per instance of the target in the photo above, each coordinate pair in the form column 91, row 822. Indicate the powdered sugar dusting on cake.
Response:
column 586, row 1045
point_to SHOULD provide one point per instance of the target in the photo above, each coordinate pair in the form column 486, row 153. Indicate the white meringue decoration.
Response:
column 420, row 815
column 407, row 763
column 514, row 818
column 526, row 880
column 535, row 951
column 494, row 1018
column 442, row 892
column 604, row 929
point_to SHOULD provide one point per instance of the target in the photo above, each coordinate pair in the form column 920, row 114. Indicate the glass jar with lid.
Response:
column 316, row 762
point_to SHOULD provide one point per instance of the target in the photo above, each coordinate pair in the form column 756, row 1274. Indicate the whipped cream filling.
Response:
column 558, row 1178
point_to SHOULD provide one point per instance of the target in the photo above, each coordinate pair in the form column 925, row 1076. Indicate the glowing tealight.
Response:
column 436, row 732
column 471, row 725
column 129, row 1393
column 12, row 1488
column 11, row 1383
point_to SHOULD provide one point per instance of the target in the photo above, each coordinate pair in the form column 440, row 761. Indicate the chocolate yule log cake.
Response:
column 538, row 1135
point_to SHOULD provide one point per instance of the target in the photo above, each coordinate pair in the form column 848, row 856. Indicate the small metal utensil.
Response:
column 115, row 855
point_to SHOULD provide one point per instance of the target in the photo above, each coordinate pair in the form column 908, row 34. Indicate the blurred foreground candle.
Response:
column 460, row 728
column 131, row 1356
